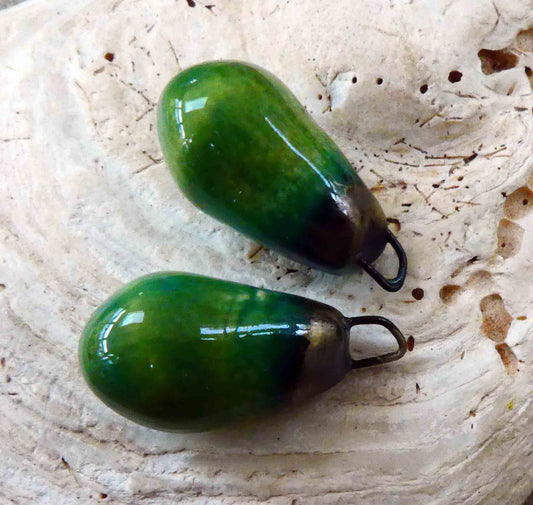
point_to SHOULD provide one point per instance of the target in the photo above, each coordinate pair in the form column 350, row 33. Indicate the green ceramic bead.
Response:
column 183, row 352
column 244, row 150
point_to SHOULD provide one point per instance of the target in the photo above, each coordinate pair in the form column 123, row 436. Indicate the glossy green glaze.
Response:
column 183, row 352
column 244, row 150
column 178, row 351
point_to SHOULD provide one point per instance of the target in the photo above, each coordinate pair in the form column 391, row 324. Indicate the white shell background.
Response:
column 86, row 204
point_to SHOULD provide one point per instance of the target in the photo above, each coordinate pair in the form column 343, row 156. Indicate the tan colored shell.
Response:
column 86, row 204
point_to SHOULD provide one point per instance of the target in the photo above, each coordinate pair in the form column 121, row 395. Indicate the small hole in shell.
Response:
column 448, row 293
column 455, row 76
column 418, row 293
column 496, row 61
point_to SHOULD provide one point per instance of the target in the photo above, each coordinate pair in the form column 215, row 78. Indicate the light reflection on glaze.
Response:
column 103, row 351
column 300, row 155
column 133, row 318
column 178, row 115
column 181, row 107
column 253, row 330
column 196, row 104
